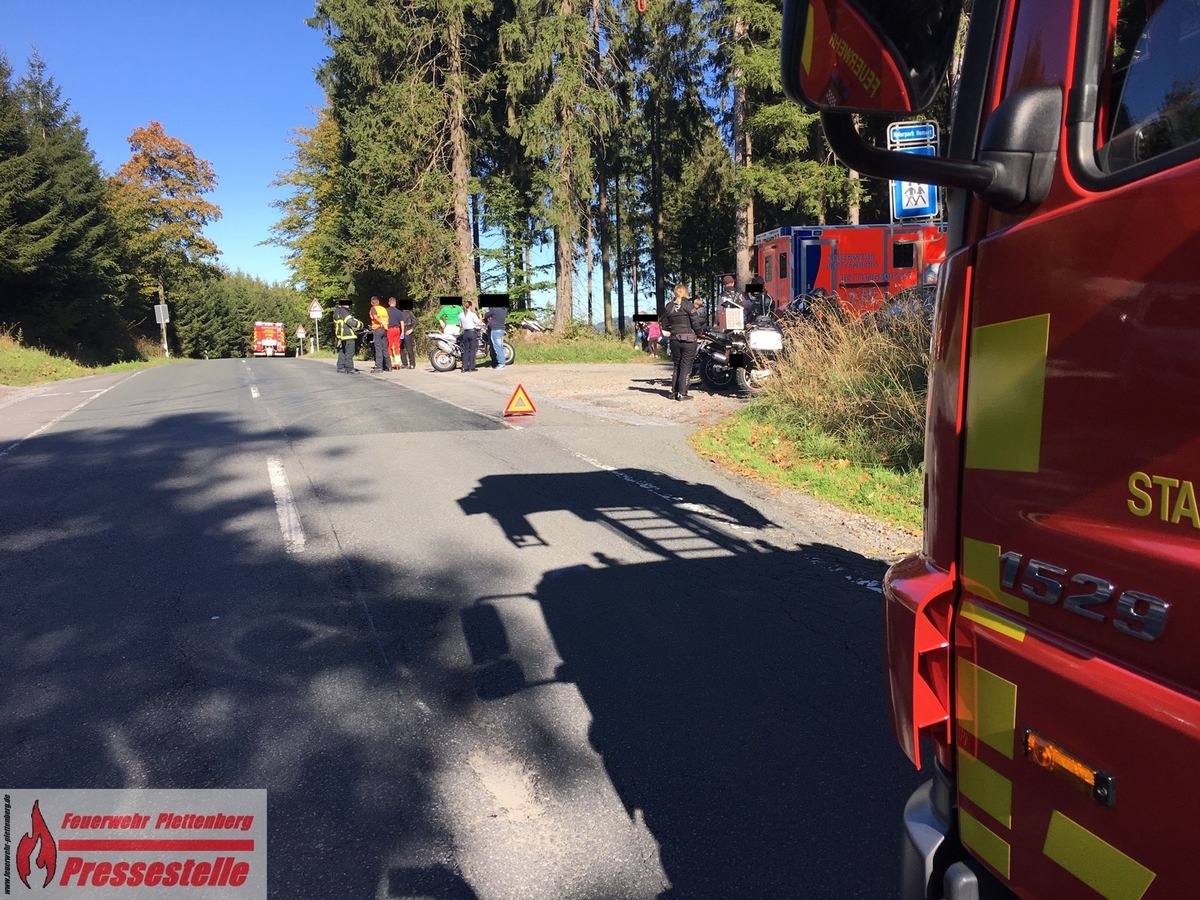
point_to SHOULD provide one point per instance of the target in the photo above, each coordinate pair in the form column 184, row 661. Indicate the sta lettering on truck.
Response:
column 1132, row 613
column 1175, row 498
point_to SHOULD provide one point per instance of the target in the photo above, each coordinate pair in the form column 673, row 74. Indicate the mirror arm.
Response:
column 847, row 143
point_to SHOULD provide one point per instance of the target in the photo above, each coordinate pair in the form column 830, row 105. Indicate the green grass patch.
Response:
column 23, row 366
column 756, row 443
column 577, row 347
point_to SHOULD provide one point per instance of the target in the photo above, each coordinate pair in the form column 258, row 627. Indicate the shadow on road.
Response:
column 734, row 687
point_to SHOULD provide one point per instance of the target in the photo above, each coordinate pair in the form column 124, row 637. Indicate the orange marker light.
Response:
column 1053, row 758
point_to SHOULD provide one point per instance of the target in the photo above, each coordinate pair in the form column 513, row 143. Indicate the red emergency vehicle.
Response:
column 1041, row 649
column 270, row 339
column 861, row 265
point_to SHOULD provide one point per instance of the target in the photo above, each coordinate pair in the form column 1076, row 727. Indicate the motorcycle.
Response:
column 740, row 356
column 446, row 350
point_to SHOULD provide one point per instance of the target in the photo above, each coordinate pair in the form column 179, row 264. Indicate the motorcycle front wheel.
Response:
column 441, row 360
column 509, row 353
column 716, row 375
column 753, row 378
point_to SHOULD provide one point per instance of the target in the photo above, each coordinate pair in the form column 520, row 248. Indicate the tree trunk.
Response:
column 602, row 224
column 657, row 227
column 459, row 166
column 564, row 272
column 743, row 220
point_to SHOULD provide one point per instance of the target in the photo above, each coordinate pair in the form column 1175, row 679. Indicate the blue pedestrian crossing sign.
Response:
column 914, row 199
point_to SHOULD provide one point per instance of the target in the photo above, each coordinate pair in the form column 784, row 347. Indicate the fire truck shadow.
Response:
column 738, row 705
column 664, row 514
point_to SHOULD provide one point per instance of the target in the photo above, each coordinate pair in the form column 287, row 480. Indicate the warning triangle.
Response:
column 519, row 404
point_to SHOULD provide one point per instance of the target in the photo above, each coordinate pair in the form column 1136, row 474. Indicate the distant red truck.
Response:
column 270, row 339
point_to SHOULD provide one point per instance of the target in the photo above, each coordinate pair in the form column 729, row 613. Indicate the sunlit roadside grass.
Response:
column 749, row 443
column 842, row 417
column 577, row 347
column 24, row 366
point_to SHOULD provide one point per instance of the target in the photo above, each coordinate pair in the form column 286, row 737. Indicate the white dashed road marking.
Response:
column 289, row 518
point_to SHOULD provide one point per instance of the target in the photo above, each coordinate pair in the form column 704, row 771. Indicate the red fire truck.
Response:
column 1041, row 650
column 861, row 265
column 270, row 339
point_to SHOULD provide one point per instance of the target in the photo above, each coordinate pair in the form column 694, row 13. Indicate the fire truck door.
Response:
column 1076, row 681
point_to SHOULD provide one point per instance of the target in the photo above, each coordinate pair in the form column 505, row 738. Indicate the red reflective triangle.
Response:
column 519, row 404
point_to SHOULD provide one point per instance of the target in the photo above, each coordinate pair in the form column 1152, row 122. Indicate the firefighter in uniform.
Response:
column 684, row 323
column 345, row 329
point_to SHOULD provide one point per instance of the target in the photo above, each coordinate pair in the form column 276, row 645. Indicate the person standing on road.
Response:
column 408, row 336
column 345, row 329
column 494, row 319
column 469, row 322
column 448, row 315
column 395, row 331
column 653, row 338
column 379, row 323
column 681, row 321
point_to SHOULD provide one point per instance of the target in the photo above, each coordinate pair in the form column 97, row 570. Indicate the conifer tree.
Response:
column 313, row 226
column 57, row 240
column 547, row 60
column 397, row 82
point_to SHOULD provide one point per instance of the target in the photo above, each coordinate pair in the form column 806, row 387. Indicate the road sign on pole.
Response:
column 912, row 133
column 913, row 199
column 315, row 311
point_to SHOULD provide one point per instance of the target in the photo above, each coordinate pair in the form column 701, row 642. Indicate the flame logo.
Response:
column 47, row 856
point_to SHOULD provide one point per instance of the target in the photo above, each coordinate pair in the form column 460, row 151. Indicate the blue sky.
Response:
column 231, row 79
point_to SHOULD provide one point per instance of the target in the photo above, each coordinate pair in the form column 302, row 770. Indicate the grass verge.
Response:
column 23, row 366
column 755, row 444
column 843, row 414
column 577, row 347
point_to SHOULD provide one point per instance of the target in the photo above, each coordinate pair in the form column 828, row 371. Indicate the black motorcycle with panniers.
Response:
column 745, row 350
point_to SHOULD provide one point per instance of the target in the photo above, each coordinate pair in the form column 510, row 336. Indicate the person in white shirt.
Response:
column 470, row 323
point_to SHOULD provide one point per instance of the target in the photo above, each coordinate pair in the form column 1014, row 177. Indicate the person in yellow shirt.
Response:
column 379, row 325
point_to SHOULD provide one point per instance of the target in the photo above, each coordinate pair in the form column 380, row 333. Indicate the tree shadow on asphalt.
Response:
column 135, row 668
column 734, row 686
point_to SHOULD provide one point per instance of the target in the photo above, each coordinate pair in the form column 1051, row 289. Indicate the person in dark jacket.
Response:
column 408, row 338
column 345, row 329
column 494, row 320
column 681, row 320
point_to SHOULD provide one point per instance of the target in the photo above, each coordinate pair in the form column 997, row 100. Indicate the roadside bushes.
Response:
column 856, row 387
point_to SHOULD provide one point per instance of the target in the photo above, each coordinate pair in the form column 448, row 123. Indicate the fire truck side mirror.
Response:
column 867, row 56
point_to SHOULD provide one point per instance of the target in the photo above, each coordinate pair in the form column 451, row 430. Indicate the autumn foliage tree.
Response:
column 157, row 198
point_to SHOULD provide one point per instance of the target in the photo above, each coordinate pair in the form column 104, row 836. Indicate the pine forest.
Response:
column 582, row 155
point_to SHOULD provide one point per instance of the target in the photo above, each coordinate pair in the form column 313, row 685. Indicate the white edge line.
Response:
column 254, row 393
column 289, row 518
column 78, row 406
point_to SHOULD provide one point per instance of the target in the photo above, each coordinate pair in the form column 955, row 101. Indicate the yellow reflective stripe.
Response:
column 989, row 619
column 987, row 706
column 986, row 844
column 1095, row 862
column 1006, row 395
column 981, row 575
column 807, row 49
column 985, row 787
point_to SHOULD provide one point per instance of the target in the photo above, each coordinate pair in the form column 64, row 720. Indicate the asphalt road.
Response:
column 468, row 657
